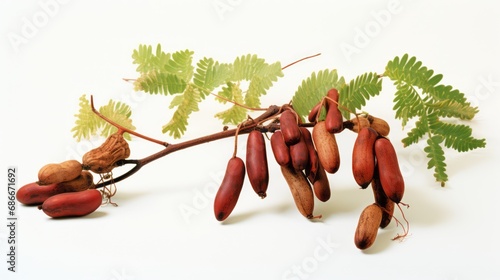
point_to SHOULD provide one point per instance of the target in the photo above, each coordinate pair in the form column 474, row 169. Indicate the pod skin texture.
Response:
column 256, row 163
column 72, row 204
column 380, row 126
column 313, row 165
column 388, row 169
column 35, row 194
column 230, row 189
column 301, row 190
column 289, row 127
column 280, row 150
column 321, row 185
column 363, row 157
column 314, row 112
column 367, row 229
column 299, row 154
column 333, row 118
column 59, row 172
column 382, row 200
column 326, row 147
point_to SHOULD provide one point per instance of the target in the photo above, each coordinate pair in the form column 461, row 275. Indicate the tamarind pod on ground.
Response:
column 256, row 163
column 314, row 112
column 326, row 147
column 312, row 167
column 367, row 229
column 59, row 172
column 230, row 189
column 299, row 155
column 103, row 158
column 280, row 150
column 35, row 194
column 333, row 118
column 363, row 157
column 84, row 181
column 380, row 126
column 72, row 204
column 321, row 185
column 382, row 200
column 388, row 169
column 289, row 127
column 301, row 190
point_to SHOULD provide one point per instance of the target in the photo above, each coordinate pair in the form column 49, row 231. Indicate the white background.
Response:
column 53, row 52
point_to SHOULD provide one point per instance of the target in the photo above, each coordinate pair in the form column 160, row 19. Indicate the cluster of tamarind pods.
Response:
column 67, row 189
column 306, row 158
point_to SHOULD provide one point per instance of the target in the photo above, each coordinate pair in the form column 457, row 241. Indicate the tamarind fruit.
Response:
column 280, row 150
column 313, row 114
column 256, row 163
column 313, row 165
column 34, row 194
column 59, row 172
column 368, row 224
column 382, row 200
column 103, row 158
column 380, row 126
column 230, row 189
column 390, row 175
column 299, row 154
column 333, row 118
column 321, row 185
column 326, row 147
column 301, row 191
column 84, row 181
column 72, row 204
column 357, row 123
column 289, row 127
column 363, row 156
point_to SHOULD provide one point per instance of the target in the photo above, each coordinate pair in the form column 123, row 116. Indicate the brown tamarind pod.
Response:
column 367, row 229
column 301, row 191
column 326, row 147
column 382, row 200
column 256, row 163
column 313, row 114
column 35, row 194
column 299, row 154
column 103, row 158
column 363, row 156
column 280, row 150
column 312, row 167
column 321, row 185
column 72, row 204
column 380, row 126
column 230, row 189
column 355, row 124
column 84, row 181
column 333, row 118
column 59, row 172
column 289, row 127
column 388, row 169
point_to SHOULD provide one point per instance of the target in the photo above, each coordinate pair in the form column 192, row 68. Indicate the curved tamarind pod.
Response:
column 382, row 200
column 72, row 204
column 230, row 189
column 333, row 118
column 301, row 191
column 34, row 194
column 326, row 147
column 313, row 165
column 84, row 181
column 367, row 229
column 59, row 172
column 321, row 185
column 103, row 158
column 289, row 127
column 299, row 154
column 380, row 126
column 280, row 150
column 363, row 156
column 388, row 169
column 314, row 112
column 256, row 163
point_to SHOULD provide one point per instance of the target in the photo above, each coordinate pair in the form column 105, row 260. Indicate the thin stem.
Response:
column 238, row 104
column 307, row 57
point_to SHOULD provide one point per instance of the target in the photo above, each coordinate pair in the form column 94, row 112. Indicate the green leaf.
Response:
column 147, row 61
column 314, row 88
column 262, row 80
column 451, row 109
column 407, row 103
column 118, row 112
column 210, row 74
column 436, row 157
column 87, row 123
column 157, row 82
column 186, row 103
column 418, row 132
column 354, row 95
column 457, row 136
column 235, row 114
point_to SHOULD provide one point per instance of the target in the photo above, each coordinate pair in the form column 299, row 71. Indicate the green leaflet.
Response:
column 353, row 96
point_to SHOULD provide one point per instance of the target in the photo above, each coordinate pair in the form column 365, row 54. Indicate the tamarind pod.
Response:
column 72, row 204
column 388, row 169
column 380, row 126
column 280, row 150
column 363, row 156
column 301, row 191
column 256, row 163
column 59, row 172
column 321, row 185
column 326, row 147
column 299, row 155
column 230, row 189
column 289, row 127
column 367, row 229
column 103, row 158
column 84, row 181
column 312, row 167
column 35, row 194
column 314, row 112
column 355, row 124
column 382, row 200
column 333, row 118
